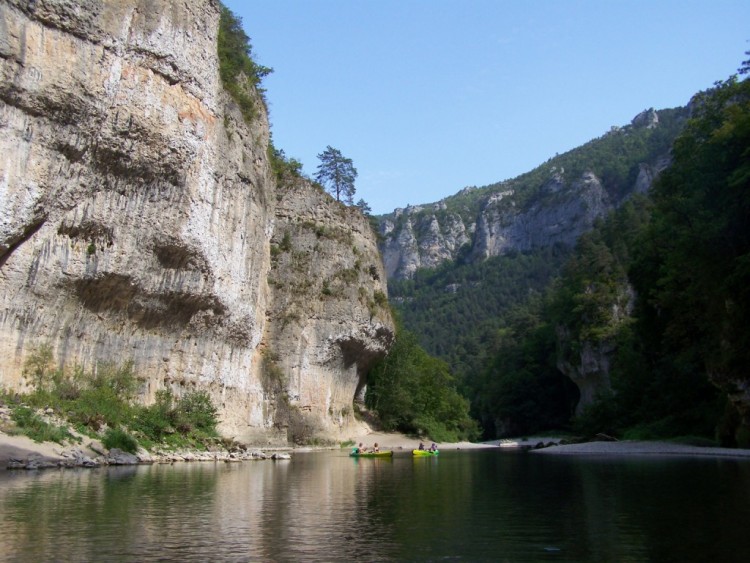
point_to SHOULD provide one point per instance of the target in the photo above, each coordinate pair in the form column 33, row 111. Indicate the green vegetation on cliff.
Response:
column 661, row 289
column 240, row 74
column 102, row 403
column 692, row 269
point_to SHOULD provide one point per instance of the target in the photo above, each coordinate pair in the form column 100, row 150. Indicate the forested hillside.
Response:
column 456, row 309
column 640, row 329
column 649, row 316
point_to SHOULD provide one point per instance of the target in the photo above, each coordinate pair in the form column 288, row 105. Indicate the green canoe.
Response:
column 388, row 453
column 425, row 452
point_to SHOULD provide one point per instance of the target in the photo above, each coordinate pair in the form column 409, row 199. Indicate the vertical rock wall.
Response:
column 330, row 318
column 136, row 208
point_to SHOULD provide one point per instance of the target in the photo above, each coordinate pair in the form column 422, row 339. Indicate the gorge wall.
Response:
column 478, row 223
column 140, row 220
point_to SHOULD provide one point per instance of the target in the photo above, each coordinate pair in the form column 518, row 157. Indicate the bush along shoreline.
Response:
column 70, row 406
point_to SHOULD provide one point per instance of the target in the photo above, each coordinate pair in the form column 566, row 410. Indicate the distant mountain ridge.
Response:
column 553, row 204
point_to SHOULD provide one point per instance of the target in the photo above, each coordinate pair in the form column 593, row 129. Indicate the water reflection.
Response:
column 325, row 506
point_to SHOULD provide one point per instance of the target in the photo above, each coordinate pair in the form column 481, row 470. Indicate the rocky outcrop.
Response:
column 559, row 216
column 426, row 236
column 329, row 305
column 137, row 209
column 518, row 215
column 590, row 370
column 587, row 359
column 647, row 118
column 419, row 237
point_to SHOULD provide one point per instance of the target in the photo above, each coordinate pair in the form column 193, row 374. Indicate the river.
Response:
column 470, row 505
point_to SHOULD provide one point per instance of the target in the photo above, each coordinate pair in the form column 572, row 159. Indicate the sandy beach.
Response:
column 399, row 441
column 21, row 447
column 642, row 448
column 396, row 441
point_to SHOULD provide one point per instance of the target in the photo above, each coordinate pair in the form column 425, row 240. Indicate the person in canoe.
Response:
column 375, row 448
column 433, row 447
column 421, row 446
column 359, row 449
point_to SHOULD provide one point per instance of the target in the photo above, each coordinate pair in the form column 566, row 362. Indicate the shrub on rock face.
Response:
column 155, row 421
column 118, row 438
column 195, row 410
column 38, row 367
column 240, row 74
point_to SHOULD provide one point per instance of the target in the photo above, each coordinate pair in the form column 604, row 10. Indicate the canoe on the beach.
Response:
column 425, row 452
column 388, row 453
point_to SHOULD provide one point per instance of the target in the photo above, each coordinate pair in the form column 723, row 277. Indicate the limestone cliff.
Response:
column 331, row 319
column 550, row 205
column 137, row 210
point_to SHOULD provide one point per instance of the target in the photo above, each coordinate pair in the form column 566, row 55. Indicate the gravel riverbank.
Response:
column 20, row 448
column 642, row 448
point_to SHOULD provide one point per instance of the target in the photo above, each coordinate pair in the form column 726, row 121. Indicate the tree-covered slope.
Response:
column 455, row 310
column 554, row 203
column 456, row 307
column 649, row 317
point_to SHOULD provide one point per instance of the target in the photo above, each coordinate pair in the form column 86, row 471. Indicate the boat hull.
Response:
column 425, row 453
column 372, row 454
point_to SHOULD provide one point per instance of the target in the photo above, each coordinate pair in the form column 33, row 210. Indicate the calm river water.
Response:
column 471, row 505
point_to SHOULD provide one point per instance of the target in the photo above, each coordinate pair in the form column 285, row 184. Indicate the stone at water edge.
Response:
column 118, row 457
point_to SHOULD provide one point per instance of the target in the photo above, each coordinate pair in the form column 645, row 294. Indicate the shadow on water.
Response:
column 479, row 505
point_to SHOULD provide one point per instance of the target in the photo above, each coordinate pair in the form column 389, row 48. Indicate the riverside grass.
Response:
column 102, row 404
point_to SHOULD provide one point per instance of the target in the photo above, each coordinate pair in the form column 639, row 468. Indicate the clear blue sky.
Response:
column 430, row 96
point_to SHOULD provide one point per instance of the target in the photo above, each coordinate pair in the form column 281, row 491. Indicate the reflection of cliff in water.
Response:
column 477, row 505
column 86, row 514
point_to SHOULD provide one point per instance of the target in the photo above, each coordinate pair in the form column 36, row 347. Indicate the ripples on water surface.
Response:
column 481, row 505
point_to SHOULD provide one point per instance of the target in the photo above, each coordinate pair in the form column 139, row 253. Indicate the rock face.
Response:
column 502, row 221
column 590, row 366
column 500, row 228
column 137, row 210
column 417, row 238
column 329, row 305
column 590, row 371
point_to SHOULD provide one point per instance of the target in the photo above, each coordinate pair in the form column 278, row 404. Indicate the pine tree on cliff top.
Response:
column 337, row 174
